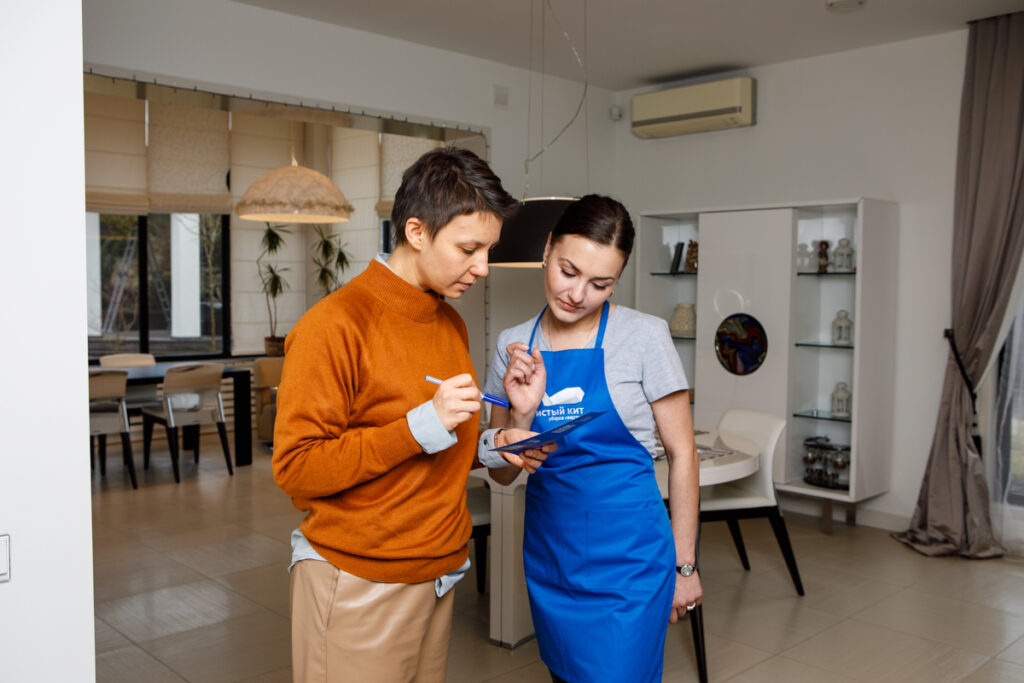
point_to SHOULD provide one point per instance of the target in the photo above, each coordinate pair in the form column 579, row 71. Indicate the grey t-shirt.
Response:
column 640, row 365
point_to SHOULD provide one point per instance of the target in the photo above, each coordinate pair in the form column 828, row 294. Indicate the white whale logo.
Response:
column 564, row 397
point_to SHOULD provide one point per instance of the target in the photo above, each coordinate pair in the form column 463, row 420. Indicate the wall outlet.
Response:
column 5, row 557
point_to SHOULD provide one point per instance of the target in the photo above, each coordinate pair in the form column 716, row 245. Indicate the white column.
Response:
column 48, row 141
column 185, row 275
column 93, row 272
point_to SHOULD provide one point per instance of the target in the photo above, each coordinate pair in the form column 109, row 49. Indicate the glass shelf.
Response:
column 820, row 415
column 670, row 274
column 824, row 345
column 682, row 338
column 828, row 274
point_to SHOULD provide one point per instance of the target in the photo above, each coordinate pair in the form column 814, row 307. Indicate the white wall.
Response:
column 46, row 622
column 879, row 122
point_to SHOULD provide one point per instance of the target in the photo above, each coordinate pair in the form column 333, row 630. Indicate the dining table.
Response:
column 241, row 379
column 723, row 457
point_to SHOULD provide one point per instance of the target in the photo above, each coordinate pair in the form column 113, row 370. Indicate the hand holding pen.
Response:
column 490, row 398
column 456, row 400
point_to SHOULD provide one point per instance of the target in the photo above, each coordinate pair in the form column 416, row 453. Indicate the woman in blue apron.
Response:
column 605, row 568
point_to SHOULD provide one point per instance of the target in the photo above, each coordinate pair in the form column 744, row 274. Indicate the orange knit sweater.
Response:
column 378, row 507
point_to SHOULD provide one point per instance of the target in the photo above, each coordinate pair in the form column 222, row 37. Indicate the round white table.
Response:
column 723, row 457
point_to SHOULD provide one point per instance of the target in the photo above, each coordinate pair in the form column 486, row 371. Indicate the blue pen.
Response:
column 487, row 397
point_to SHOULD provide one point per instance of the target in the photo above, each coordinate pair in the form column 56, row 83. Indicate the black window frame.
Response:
column 142, row 257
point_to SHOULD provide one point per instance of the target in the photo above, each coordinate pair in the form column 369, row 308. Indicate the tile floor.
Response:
column 191, row 585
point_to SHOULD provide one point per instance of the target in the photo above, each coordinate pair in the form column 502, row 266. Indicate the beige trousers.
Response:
column 345, row 628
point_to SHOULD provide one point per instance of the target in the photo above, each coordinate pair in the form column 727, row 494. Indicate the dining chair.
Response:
column 753, row 496
column 139, row 396
column 478, row 501
column 268, row 376
column 109, row 415
column 191, row 397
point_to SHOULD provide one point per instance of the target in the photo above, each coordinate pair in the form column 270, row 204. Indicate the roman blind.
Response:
column 115, row 154
column 397, row 153
column 188, row 159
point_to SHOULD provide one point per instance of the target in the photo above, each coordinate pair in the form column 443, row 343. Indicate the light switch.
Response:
column 5, row 558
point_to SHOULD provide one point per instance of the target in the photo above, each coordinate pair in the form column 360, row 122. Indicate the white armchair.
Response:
column 752, row 496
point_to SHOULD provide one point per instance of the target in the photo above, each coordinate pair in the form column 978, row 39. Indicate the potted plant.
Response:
column 273, row 283
column 329, row 259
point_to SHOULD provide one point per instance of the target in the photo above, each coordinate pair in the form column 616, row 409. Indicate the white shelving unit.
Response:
column 763, row 261
column 660, row 288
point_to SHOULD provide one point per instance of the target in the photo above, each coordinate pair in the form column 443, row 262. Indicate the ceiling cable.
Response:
column 583, row 96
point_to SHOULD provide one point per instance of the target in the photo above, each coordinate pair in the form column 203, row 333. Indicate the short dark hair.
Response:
column 598, row 218
column 445, row 183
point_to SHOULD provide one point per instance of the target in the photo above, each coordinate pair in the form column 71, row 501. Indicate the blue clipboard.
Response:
column 552, row 435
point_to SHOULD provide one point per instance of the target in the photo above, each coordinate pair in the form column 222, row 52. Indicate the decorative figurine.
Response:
column 842, row 329
column 803, row 257
column 690, row 264
column 841, row 400
column 842, row 257
column 684, row 321
column 823, row 256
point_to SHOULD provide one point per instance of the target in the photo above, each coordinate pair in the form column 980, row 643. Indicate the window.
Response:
column 183, row 309
column 1010, row 439
column 1005, row 463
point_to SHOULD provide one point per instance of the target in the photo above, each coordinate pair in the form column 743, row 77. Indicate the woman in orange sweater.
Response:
column 377, row 457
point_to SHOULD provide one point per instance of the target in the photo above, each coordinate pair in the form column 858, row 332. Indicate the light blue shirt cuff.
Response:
column 485, row 455
column 427, row 429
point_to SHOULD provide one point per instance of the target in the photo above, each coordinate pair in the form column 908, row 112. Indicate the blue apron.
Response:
column 598, row 551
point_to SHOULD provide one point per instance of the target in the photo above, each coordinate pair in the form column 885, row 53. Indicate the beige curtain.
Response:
column 952, row 514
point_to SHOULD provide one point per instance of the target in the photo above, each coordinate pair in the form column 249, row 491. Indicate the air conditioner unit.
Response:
column 715, row 105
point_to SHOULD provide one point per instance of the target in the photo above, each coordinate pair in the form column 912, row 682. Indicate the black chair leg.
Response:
column 782, row 536
column 697, row 619
column 190, row 439
column 222, row 429
column 480, row 537
column 697, row 624
column 129, row 458
column 172, row 443
column 147, row 438
column 737, row 540
column 103, row 454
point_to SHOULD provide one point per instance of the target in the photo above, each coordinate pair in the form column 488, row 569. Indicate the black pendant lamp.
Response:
column 524, row 235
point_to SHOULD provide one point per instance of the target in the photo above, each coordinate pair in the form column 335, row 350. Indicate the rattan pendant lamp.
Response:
column 294, row 194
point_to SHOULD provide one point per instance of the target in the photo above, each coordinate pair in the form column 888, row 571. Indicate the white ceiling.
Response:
column 633, row 43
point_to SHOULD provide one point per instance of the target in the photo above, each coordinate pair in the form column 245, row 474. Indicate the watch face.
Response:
column 685, row 570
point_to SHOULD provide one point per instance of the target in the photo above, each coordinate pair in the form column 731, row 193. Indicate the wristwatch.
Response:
column 686, row 569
